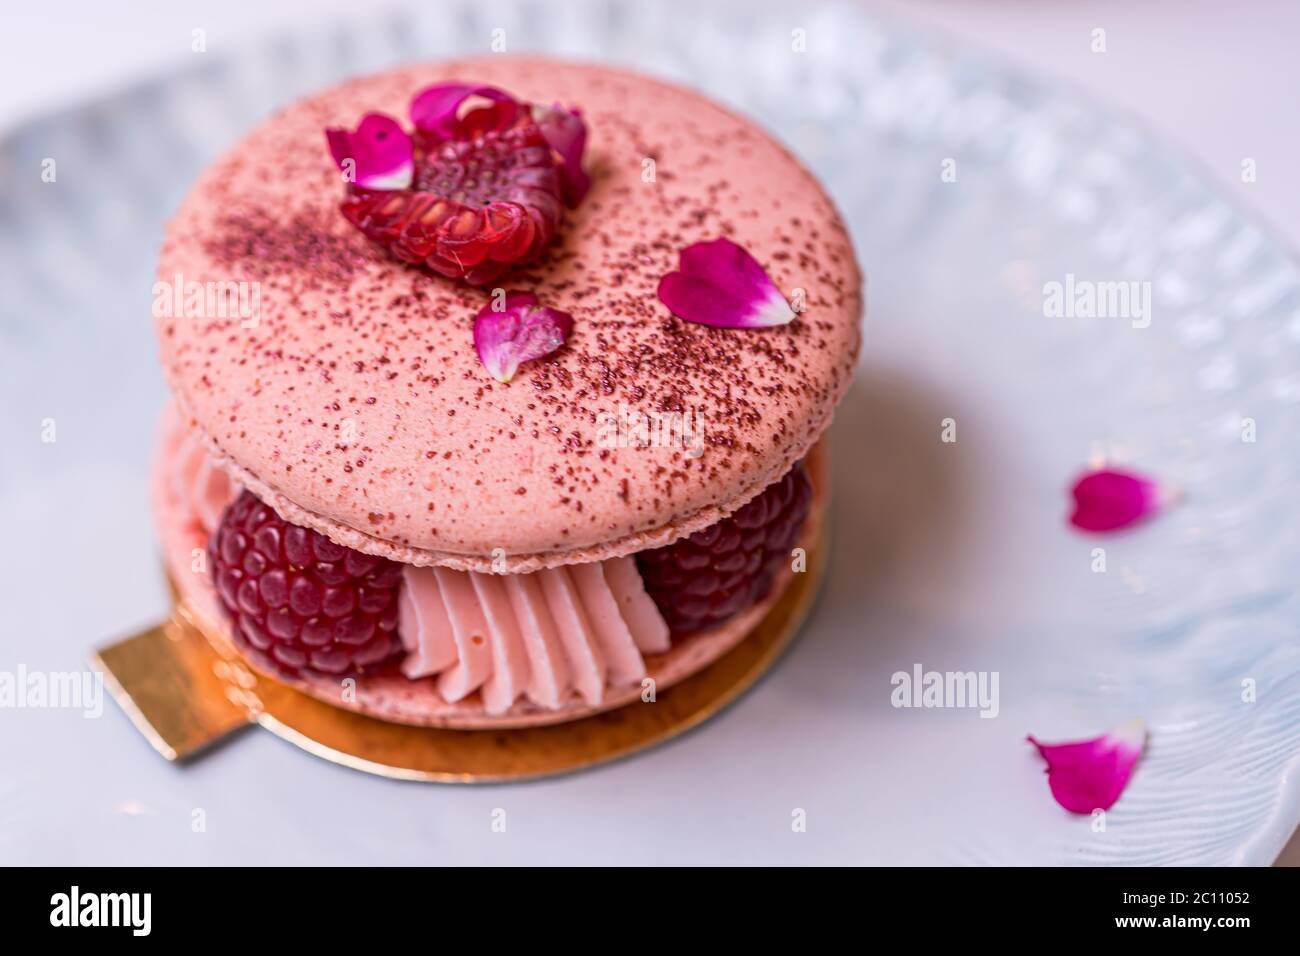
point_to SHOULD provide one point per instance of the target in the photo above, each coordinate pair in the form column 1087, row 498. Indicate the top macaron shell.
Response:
column 356, row 404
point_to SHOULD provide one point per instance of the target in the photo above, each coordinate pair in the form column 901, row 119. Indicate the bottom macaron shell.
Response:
column 392, row 697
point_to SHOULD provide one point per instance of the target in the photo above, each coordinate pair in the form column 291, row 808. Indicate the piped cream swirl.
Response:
column 542, row 636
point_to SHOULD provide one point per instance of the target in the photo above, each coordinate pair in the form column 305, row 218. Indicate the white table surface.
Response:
column 1219, row 84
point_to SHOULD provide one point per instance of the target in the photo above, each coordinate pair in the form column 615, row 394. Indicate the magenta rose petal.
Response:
column 524, row 330
column 728, row 265
column 722, row 285
column 1108, row 500
column 434, row 110
column 700, row 301
column 1091, row 774
column 379, row 149
column 567, row 134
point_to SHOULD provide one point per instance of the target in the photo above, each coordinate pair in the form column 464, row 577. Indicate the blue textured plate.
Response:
column 968, row 190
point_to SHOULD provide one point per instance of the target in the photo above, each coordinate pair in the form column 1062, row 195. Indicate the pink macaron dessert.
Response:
column 520, row 411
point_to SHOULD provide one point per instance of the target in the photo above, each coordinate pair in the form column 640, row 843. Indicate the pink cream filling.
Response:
column 542, row 636
column 199, row 489
column 537, row 636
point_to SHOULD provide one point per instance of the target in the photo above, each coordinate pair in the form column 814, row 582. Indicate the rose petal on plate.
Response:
column 435, row 110
column 722, row 285
column 520, row 332
column 1090, row 775
column 567, row 134
column 379, row 151
column 1108, row 500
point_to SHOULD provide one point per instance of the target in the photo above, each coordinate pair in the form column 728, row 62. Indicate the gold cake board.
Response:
column 184, row 696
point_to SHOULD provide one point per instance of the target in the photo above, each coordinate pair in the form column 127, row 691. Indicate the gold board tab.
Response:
column 167, row 681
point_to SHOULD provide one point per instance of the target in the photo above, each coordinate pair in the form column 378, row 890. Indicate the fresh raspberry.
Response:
column 298, row 601
column 703, row 579
column 477, row 205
